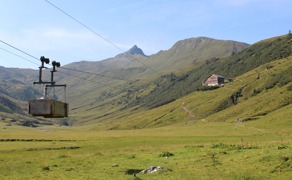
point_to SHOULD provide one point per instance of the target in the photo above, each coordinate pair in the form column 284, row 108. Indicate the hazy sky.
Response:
column 39, row 29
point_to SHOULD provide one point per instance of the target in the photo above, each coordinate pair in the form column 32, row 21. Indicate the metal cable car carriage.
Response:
column 48, row 106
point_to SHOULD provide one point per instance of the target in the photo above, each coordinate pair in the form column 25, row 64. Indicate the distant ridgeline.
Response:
column 171, row 87
column 187, row 64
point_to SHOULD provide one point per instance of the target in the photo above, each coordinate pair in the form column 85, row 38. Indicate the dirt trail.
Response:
column 187, row 110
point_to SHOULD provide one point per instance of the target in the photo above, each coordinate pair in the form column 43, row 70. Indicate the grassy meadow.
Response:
column 241, row 131
column 202, row 150
column 199, row 136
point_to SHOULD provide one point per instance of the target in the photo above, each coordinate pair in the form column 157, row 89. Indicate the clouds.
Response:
column 51, row 38
column 63, row 37
column 57, row 42
column 40, row 29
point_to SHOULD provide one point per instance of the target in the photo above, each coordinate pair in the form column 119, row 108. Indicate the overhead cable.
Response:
column 94, row 32
column 61, row 67
column 18, row 56
column 117, row 78
column 90, row 80
column 19, row 50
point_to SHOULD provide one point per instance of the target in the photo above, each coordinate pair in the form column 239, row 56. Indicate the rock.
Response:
column 152, row 169
column 29, row 123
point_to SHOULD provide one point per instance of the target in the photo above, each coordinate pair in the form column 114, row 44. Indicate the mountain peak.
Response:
column 192, row 42
column 136, row 50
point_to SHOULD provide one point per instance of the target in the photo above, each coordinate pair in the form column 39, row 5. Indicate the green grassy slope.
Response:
column 90, row 89
column 181, row 55
column 257, row 99
column 189, row 51
column 172, row 86
column 147, row 94
column 240, row 131
column 16, row 88
column 115, row 104
column 259, row 53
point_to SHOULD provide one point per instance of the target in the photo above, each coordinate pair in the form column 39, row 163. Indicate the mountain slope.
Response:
column 172, row 86
column 183, row 54
column 257, row 101
column 16, row 84
column 128, row 66
column 149, row 94
column 189, row 51
column 143, row 95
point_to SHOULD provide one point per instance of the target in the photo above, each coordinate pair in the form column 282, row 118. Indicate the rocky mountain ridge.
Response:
column 125, row 66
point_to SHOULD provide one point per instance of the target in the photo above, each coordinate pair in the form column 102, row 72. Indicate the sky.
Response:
column 113, row 26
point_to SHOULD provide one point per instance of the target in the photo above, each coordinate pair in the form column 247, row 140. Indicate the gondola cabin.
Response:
column 48, row 108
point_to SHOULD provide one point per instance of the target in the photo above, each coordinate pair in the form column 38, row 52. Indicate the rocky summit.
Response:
column 136, row 50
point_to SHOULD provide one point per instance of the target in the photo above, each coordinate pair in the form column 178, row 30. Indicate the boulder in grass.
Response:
column 152, row 169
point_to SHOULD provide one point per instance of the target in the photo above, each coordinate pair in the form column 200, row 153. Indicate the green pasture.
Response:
column 203, row 150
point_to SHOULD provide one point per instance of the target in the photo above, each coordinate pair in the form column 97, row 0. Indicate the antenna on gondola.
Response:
column 46, row 106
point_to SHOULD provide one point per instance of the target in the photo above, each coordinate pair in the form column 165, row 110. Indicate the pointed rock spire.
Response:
column 136, row 50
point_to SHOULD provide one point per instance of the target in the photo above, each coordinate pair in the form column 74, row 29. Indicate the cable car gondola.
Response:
column 46, row 106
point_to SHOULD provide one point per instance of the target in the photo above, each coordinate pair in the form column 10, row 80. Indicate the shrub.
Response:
column 46, row 168
column 166, row 154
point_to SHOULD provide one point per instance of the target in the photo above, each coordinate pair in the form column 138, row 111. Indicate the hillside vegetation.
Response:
column 117, row 129
column 266, row 95
column 137, row 99
column 115, row 104
column 172, row 86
